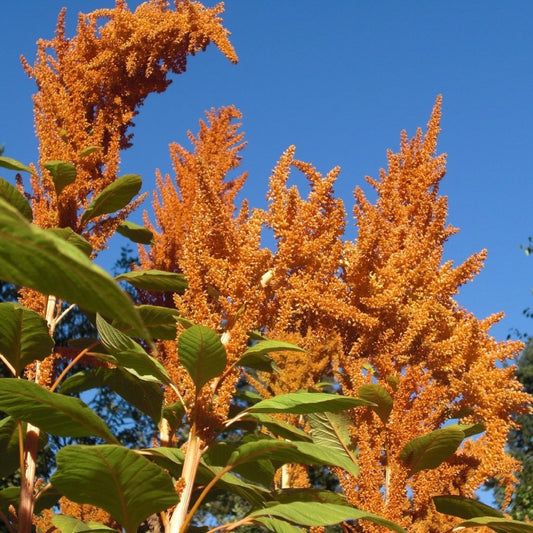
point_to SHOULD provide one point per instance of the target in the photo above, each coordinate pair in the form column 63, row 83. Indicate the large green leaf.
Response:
column 31, row 257
column 202, row 354
column 160, row 321
column 278, row 427
column 116, row 479
column 144, row 395
column 278, row 526
column 69, row 524
column 299, row 403
column 463, row 507
column 331, row 432
column 129, row 355
column 63, row 174
column 69, row 235
column 114, row 197
column 54, row 413
column 13, row 164
column 15, row 198
column 378, row 395
column 172, row 460
column 24, row 336
column 155, row 280
column 432, row 449
column 256, row 356
column 135, row 233
column 321, row 514
column 500, row 525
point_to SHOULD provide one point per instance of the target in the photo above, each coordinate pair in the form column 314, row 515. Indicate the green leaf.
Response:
column 321, row 514
column 31, row 257
column 432, row 449
column 268, row 346
column 13, row 164
column 129, row 355
column 278, row 526
column 160, row 321
column 172, row 460
column 469, row 430
column 299, row 403
column 278, row 427
column 463, row 507
column 68, row 524
column 309, row 495
column 69, row 235
column 54, row 413
column 501, row 525
column 331, row 432
column 155, row 280
column 116, row 479
column 135, row 233
column 63, row 174
column 115, row 196
column 144, row 395
column 259, row 361
column 15, row 198
column 24, row 336
column 202, row 354
column 378, row 395
column 89, row 150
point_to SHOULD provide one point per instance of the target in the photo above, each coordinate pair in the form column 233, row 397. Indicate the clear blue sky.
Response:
column 340, row 80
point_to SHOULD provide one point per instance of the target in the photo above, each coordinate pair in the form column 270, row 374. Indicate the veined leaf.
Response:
column 299, row 403
column 13, row 164
column 144, row 395
column 278, row 427
column 500, row 525
column 259, row 361
column 321, row 514
column 309, row 495
column 330, row 431
column 114, row 197
column 469, row 430
column 155, row 280
column 15, row 198
column 63, row 174
column 125, row 484
column 160, row 321
column 24, row 336
column 268, row 346
column 54, row 413
column 202, row 354
column 432, row 449
column 378, row 395
column 277, row 525
column 463, row 507
column 69, row 235
column 69, row 524
column 135, row 233
column 129, row 355
column 31, row 257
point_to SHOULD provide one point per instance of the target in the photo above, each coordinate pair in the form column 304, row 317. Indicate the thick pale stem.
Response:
column 25, row 513
column 190, row 465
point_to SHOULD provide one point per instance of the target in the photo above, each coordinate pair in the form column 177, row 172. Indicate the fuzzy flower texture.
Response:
column 380, row 309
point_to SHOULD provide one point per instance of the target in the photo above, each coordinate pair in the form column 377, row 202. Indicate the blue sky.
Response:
column 340, row 80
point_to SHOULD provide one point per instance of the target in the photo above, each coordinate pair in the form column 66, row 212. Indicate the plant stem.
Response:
column 25, row 513
column 178, row 522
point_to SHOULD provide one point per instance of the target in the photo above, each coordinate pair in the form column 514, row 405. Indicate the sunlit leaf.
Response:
column 89, row 150
column 115, row 196
column 202, row 354
column 69, row 524
column 13, row 164
column 54, row 413
column 24, row 336
column 432, row 449
column 135, row 233
column 125, row 484
column 15, row 198
column 160, row 321
column 31, row 257
column 306, row 402
column 69, row 235
column 463, row 507
column 378, row 395
column 321, row 514
column 155, row 280
column 500, row 525
column 278, row 427
column 63, row 174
